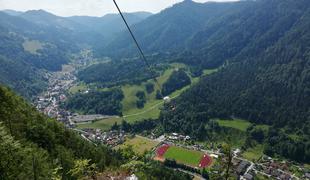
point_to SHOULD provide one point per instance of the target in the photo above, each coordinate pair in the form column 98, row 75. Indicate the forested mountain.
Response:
column 117, row 72
column 260, row 48
column 34, row 41
column 27, row 49
column 266, row 78
column 33, row 146
column 111, row 24
column 21, row 77
column 170, row 29
column 106, row 102
column 12, row 12
column 38, row 46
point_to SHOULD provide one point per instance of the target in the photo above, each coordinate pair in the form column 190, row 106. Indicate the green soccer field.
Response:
column 184, row 156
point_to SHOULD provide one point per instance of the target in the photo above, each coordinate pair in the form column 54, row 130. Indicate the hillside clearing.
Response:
column 151, row 109
column 254, row 153
column 239, row 124
column 32, row 46
column 139, row 144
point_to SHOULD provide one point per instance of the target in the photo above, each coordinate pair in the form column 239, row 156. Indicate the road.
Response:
column 151, row 108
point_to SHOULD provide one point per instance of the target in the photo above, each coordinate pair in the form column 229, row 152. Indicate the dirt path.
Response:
column 151, row 108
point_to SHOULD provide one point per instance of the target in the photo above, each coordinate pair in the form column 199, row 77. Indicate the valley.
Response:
column 221, row 92
column 98, row 130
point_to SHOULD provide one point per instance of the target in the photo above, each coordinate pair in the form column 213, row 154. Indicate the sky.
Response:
column 90, row 7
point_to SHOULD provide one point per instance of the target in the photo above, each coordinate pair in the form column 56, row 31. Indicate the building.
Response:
column 242, row 167
column 132, row 177
column 307, row 176
column 248, row 176
column 167, row 99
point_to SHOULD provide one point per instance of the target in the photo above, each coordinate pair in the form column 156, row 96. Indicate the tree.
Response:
column 149, row 87
column 176, row 81
column 125, row 126
column 204, row 173
column 128, row 152
column 158, row 95
column 115, row 126
column 97, row 102
column 228, row 154
column 83, row 169
column 257, row 134
column 141, row 99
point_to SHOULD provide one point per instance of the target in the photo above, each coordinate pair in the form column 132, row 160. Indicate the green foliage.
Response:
column 279, row 143
column 239, row 124
column 170, row 30
column 155, row 170
column 176, row 81
column 18, row 162
column 173, row 164
column 97, row 102
column 83, row 169
column 21, row 77
column 32, row 146
column 267, row 82
column 114, row 73
column 158, row 95
column 149, row 87
column 141, row 145
column 141, row 99
column 13, row 32
column 128, row 152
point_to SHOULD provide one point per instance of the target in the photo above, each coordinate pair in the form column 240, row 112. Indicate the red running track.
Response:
column 205, row 161
column 162, row 150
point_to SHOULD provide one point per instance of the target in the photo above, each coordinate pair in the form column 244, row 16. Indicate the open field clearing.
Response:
column 151, row 109
column 32, row 46
column 140, row 144
column 104, row 124
column 239, row 124
column 254, row 153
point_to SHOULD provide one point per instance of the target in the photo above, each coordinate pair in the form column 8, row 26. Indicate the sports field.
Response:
column 184, row 156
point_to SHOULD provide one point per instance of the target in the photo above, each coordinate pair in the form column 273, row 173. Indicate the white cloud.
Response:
column 90, row 7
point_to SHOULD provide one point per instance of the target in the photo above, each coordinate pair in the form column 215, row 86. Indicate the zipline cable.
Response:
column 138, row 46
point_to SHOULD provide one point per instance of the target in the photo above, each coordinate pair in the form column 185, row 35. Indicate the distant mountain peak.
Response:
column 38, row 11
column 12, row 12
column 138, row 13
column 188, row 1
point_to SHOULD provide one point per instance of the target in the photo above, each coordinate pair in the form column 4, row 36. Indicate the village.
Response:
column 50, row 102
column 243, row 168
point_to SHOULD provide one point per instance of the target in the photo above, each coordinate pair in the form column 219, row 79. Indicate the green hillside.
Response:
column 266, row 82
column 33, row 146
